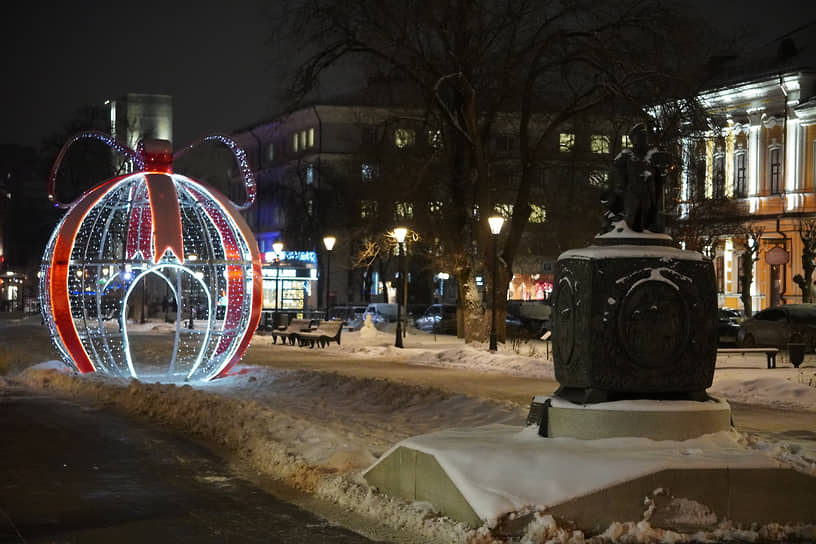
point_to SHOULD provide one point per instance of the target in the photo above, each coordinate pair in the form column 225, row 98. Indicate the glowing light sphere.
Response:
column 152, row 226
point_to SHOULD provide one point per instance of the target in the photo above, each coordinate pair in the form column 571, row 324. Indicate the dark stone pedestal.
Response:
column 634, row 321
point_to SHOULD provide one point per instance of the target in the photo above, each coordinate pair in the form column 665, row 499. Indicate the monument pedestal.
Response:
column 634, row 321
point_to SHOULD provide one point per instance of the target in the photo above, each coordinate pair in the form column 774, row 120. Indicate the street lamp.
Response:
column 399, row 234
column 278, row 247
column 329, row 242
column 496, row 223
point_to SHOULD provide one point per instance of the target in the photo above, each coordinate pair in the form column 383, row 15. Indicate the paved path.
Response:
column 70, row 474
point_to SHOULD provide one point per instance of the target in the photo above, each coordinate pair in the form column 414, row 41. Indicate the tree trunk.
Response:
column 472, row 309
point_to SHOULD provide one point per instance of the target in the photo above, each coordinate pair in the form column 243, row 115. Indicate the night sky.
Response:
column 213, row 57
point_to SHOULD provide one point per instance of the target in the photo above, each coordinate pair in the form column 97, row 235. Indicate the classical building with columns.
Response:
column 763, row 161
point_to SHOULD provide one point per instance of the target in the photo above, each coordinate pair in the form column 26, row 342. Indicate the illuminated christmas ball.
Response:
column 152, row 231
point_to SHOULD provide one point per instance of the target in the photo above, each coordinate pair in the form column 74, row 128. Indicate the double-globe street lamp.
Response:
column 496, row 223
column 328, row 242
column 278, row 248
column 399, row 234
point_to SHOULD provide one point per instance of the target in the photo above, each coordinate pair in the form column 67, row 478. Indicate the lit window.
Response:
column 505, row 210
column 311, row 137
column 435, row 138
column 719, row 175
column 309, row 207
column 740, row 187
column 625, row 141
column 566, row 141
column 537, row 214
column 435, row 207
column 598, row 178
column 368, row 208
column 270, row 152
column 368, row 172
column 404, row 137
column 303, row 139
column 295, row 141
column 775, row 163
column 310, row 174
column 599, row 143
column 404, row 210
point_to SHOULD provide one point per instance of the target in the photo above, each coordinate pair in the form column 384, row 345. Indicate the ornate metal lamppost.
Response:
column 399, row 235
column 496, row 223
column 328, row 242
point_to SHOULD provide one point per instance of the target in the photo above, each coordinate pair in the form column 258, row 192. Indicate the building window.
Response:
column 404, row 211
column 310, row 174
column 566, row 141
column 598, row 178
column 310, row 137
column 505, row 144
column 368, row 172
column 435, row 207
column 368, row 209
column 309, row 208
column 537, row 214
column 303, row 139
column 369, row 134
column 599, row 143
column 504, row 209
column 270, row 152
column 775, row 164
column 740, row 173
column 719, row 270
column 404, row 137
column 625, row 141
column 295, row 141
column 719, row 175
column 435, row 138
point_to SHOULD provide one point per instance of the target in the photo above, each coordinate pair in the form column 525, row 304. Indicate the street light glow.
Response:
column 329, row 242
column 400, row 233
column 496, row 223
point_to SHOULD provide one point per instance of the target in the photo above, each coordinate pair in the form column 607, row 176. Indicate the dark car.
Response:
column 729, row 325
column 438, row 319
column 780, row 326
column 351, row 316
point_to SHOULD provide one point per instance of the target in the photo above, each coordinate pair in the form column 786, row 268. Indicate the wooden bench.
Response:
column 770, row 353
column 325, row 333
column 290, row 332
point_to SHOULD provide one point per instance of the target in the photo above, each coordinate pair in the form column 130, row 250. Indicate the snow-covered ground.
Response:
column 319, row 431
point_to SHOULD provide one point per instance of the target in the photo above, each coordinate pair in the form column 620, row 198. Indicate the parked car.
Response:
column 381, row 312
column 351, row 316
column 729, row 326
column 777, row 327
column 438, row 319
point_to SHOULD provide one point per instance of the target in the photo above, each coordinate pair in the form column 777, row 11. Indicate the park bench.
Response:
column 290, row 332
column 325, row 333
column 770, row 353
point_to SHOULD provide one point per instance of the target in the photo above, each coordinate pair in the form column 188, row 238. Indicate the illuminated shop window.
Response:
column 566, row 141
column 404, row 137
column 599, row 143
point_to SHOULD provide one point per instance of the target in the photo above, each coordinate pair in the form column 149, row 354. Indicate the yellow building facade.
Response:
column 764, row 159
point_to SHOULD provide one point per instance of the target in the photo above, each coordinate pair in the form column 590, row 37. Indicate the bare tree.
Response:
column 807, row 232
column 546, row 62
column 751, row 235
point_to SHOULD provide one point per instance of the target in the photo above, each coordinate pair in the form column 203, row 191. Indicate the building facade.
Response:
column 763, row 161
